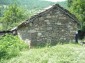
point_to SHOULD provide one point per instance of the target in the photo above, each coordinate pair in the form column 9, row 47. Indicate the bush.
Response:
column 10, row 46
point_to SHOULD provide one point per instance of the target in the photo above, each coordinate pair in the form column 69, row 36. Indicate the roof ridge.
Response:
column 69, row 13
column 49, row 8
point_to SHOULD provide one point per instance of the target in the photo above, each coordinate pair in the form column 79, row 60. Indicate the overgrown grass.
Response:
column 67, row 53
column 10, row 46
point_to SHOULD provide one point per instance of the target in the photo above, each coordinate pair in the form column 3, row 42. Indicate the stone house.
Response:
column 51, row 26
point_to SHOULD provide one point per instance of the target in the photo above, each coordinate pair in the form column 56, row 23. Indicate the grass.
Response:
column 67, row 53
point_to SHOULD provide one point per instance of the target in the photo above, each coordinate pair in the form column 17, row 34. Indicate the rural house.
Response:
column 51, row 26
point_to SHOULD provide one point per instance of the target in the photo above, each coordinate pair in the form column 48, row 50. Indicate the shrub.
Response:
column 10, row 46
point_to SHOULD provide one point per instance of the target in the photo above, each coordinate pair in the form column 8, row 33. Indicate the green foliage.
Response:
column 39, row 4
column 7, row 2
column 69, row 2
column 12, row 16
column 31, row 4
column 77, row 7
column 10, row 46
column 2, row 8
column 0, row 11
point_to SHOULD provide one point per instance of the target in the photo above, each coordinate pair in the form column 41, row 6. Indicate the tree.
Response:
column 0, row 11
column 77, row 7
column 69, row 2
column 12, row 16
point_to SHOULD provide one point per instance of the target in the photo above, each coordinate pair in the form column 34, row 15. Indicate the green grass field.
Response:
column 67, row 53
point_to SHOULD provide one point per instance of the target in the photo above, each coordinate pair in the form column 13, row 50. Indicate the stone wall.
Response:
column 52, row 26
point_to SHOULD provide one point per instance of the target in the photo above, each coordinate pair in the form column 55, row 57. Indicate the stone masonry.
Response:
column 52, row 26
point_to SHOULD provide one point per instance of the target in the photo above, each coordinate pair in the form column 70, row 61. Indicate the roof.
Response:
column 72, row 16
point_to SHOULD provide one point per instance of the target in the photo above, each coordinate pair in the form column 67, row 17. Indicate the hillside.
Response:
column 39, row 4
column 67, row 53
column 30, row 7
column 32, row 4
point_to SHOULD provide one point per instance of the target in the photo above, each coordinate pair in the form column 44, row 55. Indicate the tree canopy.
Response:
column 12, row 15
column 77, row 7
